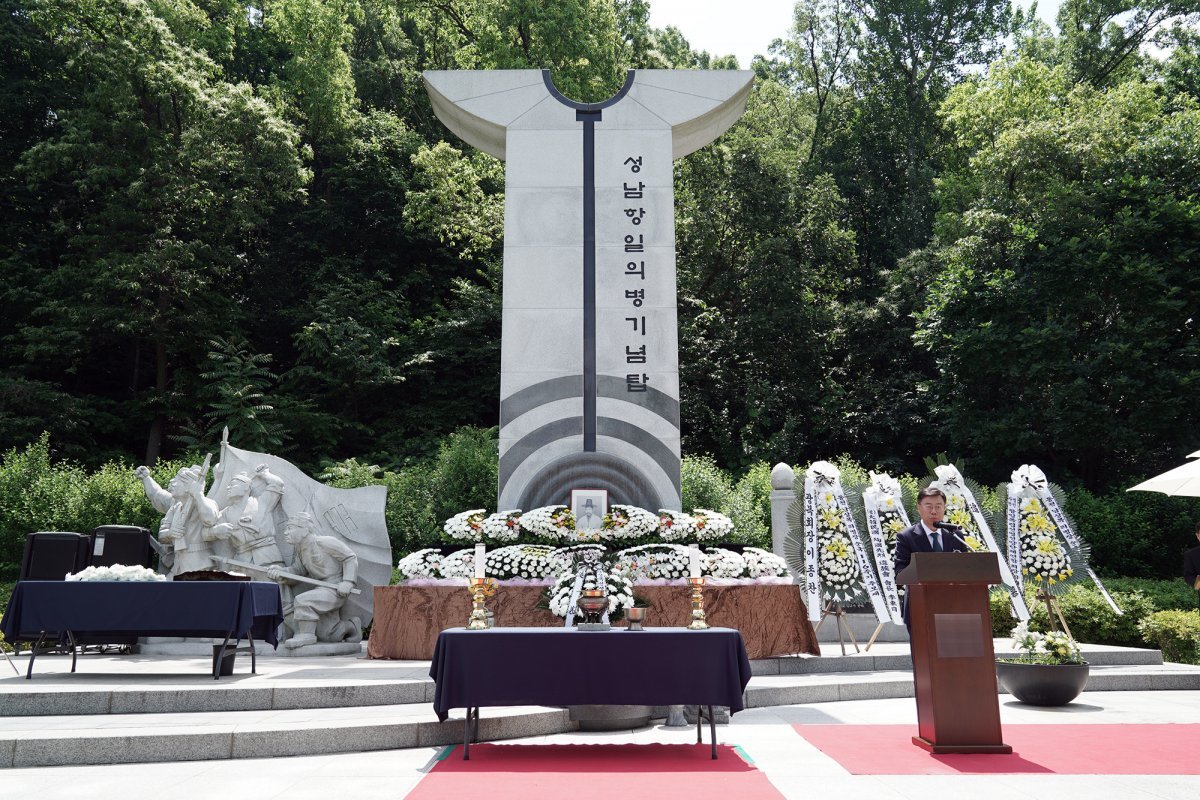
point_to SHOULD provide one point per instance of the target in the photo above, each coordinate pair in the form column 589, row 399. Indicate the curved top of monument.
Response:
column 479, row 106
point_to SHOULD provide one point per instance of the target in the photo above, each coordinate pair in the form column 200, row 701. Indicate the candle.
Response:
column 480, row 558
column 694, row 561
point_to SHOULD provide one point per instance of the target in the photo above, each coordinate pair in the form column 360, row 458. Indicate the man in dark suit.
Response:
column 925, row 536
column 1191, row 565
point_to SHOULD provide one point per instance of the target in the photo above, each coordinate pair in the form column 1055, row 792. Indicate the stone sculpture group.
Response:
column 317, row 542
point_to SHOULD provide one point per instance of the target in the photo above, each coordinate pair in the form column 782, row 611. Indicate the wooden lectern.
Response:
column 954, row 666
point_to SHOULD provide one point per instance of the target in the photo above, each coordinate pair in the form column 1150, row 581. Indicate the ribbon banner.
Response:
column 1013, row 514
column 812, row 580
column 950, row 478
column 883, row 559
column 870, row 580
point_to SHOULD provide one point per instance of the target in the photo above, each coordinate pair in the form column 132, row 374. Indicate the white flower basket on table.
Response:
column 425, row 563
column 466, row 525
column 620, row 593
column 763, row 564
column 711, row 526
column 721, row 563
column 459, row 564
column 503, row 526
column 526, row 561
column 629, row 522
column 133, row 573
column 653, row 561
column 676, row 526
column 549, row 522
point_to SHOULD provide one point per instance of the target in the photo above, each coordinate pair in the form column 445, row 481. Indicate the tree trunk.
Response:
column 154, row 441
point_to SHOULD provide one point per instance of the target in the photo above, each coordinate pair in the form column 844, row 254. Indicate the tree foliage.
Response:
column 939, row 226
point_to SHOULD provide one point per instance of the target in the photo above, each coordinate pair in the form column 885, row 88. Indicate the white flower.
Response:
column 425, row 563
column 467, row 525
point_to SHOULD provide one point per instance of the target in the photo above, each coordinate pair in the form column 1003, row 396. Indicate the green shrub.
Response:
column 750, row 507
column 1091, row 619
column 465, row 472
column 410, row 517
column 1165, row 594
column 5, row 593
column 1175, row 633
column 704, row 484
column 38, row 495
column 1003, row 620
column 1139, row 534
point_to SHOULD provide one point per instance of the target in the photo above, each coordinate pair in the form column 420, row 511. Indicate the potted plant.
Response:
column 1049, row 672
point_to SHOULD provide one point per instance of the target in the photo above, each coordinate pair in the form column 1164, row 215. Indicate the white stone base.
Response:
column 203, row 647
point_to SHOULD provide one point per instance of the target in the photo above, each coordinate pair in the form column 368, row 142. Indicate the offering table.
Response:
column 771, row 617
column 564, row 667
column 54, row 610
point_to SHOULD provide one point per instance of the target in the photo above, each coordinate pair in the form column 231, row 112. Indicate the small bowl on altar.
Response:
column 636, row 617
column 592, row 603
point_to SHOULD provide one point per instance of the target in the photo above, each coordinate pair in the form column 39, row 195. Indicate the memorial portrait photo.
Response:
column 589, row 507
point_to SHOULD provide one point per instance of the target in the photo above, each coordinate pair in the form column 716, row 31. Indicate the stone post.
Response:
column 782, row 497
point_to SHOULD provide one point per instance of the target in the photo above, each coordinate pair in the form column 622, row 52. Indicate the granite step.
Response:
column 800, row 689
column 142, row 738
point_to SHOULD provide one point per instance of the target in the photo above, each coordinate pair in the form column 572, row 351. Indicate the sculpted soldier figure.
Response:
column 248, row 519
column 315, row 611
column 188, row 515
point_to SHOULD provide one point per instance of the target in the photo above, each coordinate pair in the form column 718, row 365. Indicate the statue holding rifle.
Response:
column 331, row 569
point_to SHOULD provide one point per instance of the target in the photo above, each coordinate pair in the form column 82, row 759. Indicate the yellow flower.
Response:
column 1048, row 546
column 895, row 526
column 838, row 548
column 831, row 518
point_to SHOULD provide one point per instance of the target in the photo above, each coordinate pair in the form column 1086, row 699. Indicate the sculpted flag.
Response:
column 589, row 361
column 354, row 516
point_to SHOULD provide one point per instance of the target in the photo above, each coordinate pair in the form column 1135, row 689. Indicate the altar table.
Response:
column 772, row 618
column 565, row 667
column 56, row 610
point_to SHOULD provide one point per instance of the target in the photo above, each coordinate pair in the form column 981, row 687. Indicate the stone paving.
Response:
column 794, row 766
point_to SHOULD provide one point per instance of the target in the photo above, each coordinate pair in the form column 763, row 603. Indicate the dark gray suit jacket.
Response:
column 913, row 540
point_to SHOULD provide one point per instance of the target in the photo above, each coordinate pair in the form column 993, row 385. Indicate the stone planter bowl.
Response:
column 1043, row 684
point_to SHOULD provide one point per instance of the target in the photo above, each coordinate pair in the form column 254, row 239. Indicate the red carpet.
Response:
column 555, row 772
column 1062, row 749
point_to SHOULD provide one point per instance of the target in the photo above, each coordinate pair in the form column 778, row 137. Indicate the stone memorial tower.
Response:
column 589, row 384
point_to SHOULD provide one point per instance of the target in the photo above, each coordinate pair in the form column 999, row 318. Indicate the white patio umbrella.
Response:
column 1182, row 481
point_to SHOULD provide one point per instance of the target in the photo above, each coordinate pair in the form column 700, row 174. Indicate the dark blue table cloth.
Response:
column 90, row 609
column 566, row 667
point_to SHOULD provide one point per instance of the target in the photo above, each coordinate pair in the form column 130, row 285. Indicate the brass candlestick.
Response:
column 481, row 589
column 698, row 621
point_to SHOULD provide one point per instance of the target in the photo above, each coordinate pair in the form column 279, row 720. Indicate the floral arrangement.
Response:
column 1054, row 647
column 1043, row 558
column 836, row 565
column 549, row 522
column 503, row 526
column 763, row 563
column 629, row 522
column 425, row 563
column 466, row 526
column 675, row 526
column 459, row 564
column 1041, row 546
column 564, row 559
column 711, row 525
column 721, row 563
column 529, row 561
column 620, row 592
column 651, row 561
column 133, row 573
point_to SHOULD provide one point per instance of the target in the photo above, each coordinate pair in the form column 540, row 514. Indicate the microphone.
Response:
column 946, row 526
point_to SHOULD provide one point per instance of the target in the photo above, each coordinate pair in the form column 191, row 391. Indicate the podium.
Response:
column 954, row 665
